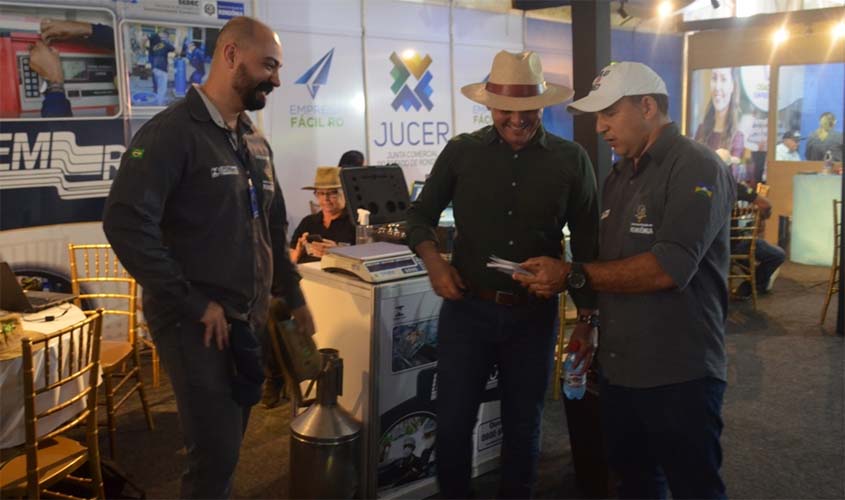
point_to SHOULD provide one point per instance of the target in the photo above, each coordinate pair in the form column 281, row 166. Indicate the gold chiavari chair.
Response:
column 833, row 282
column 101, row 271
column 745, row 225
column 70, row 356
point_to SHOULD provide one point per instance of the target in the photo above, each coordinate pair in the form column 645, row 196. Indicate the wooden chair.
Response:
column 762, row 189
column 745, row 225
column 70, row 355
column 565, row 318
column 102, row 271
column 833, row 283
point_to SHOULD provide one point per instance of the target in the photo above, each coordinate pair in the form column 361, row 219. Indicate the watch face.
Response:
column 576, row 280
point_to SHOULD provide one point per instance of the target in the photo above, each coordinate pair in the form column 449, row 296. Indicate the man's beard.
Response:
column 249, row 92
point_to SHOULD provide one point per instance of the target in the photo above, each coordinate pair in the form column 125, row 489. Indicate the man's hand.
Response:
column 547, row 278
column 53, row 30
column 445, row 279
column 304, row 320
column 318, row 248
column 44, row 60
column 216, row 326
column 586, row 337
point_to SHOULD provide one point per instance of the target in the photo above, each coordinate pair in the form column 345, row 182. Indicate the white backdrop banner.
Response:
column 318, row 112
column 410, row 103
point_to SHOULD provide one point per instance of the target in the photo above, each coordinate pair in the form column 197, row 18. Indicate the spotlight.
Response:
column 714, row 3
column 839, row 30
column 408, row 54
column 621, row 10
column 665, row 9
column 780, row 36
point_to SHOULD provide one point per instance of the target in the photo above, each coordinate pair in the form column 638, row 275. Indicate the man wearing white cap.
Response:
column 661, row 279
column 514, row 187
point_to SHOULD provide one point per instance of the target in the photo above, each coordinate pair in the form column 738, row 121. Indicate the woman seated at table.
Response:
column 328, row 227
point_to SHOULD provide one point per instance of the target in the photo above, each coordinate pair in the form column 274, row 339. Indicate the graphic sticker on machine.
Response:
column 414, row 344
column 406, row 451
column 57, row 63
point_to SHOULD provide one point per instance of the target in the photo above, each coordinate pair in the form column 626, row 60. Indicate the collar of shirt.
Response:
column 539, row 138
column 654, row 154
column 205, row 110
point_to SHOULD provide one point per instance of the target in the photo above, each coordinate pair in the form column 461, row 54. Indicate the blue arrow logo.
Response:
column 317, row 75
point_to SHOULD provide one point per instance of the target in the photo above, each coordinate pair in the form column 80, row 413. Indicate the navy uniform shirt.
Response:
column 182, row 218
column 676, row 205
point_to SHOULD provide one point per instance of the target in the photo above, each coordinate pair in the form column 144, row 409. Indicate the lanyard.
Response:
column 244, row 160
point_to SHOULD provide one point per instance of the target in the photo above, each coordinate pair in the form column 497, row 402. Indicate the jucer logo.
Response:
column 411, row 63
column 317, row 75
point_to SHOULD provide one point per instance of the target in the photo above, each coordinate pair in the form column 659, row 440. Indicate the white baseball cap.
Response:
column 616, row 81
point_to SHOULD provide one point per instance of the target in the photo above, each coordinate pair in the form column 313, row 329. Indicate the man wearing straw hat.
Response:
column 332, row 223
column 661, row 279
column 514, row 186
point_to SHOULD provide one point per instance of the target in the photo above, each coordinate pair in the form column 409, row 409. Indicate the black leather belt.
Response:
column 506, row 298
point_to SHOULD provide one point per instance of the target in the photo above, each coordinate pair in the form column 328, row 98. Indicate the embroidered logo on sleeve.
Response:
column 136, row 153
column 705, row 190
column 223, row 170
column 605, row 214
column 641, row 227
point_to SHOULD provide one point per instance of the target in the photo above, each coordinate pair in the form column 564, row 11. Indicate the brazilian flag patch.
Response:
column 136, row 153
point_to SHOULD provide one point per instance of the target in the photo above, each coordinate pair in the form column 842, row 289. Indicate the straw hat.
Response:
column 516, row 84
column 326, row 178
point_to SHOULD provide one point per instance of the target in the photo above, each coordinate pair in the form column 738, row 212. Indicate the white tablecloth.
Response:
column 12, row 430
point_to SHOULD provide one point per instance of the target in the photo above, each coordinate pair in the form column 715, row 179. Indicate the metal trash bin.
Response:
column 324, row 446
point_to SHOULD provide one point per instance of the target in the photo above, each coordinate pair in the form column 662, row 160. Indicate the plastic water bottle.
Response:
column 827, row 169
column 575, row 377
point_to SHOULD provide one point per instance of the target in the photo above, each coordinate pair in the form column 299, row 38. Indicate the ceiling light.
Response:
column 839, row 30
column 665, row 9
column 780, row 36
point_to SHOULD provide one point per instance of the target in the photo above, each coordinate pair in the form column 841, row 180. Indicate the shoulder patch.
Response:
column 136, row 153
column 705, row 190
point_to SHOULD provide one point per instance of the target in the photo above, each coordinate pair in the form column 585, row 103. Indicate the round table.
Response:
column 12, row 430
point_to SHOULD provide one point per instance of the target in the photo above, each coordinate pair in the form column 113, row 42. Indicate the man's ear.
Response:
column 229, row 52
column 648, row 106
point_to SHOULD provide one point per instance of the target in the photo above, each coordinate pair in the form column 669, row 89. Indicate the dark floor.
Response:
column 784, row 433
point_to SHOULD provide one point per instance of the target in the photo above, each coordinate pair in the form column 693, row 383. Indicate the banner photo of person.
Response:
column 809, row 99
column 729, row 110
column 57, row 63
column 162, row 61
column 414, row 344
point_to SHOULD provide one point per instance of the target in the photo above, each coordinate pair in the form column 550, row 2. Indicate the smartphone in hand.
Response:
column 311, row 238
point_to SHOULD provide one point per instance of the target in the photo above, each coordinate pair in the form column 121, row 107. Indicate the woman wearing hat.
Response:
column 332, row 224
column 514, row 186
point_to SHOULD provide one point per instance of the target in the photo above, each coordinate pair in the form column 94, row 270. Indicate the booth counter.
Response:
column 812, row 218
column 387, row 336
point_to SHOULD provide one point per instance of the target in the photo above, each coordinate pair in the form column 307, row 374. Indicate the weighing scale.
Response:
column 374, row 262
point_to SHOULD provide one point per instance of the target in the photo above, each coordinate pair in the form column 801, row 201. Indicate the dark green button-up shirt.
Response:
column 512, row 204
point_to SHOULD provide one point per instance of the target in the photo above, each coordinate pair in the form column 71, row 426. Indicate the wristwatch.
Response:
column 577, row 278
column 589, row 319
column 54, row 87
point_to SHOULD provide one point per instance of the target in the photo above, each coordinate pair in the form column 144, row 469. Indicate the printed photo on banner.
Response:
column 57, row 63
column 164, row 60
column 729, row 110
column 414, row 344
column 810, row 102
